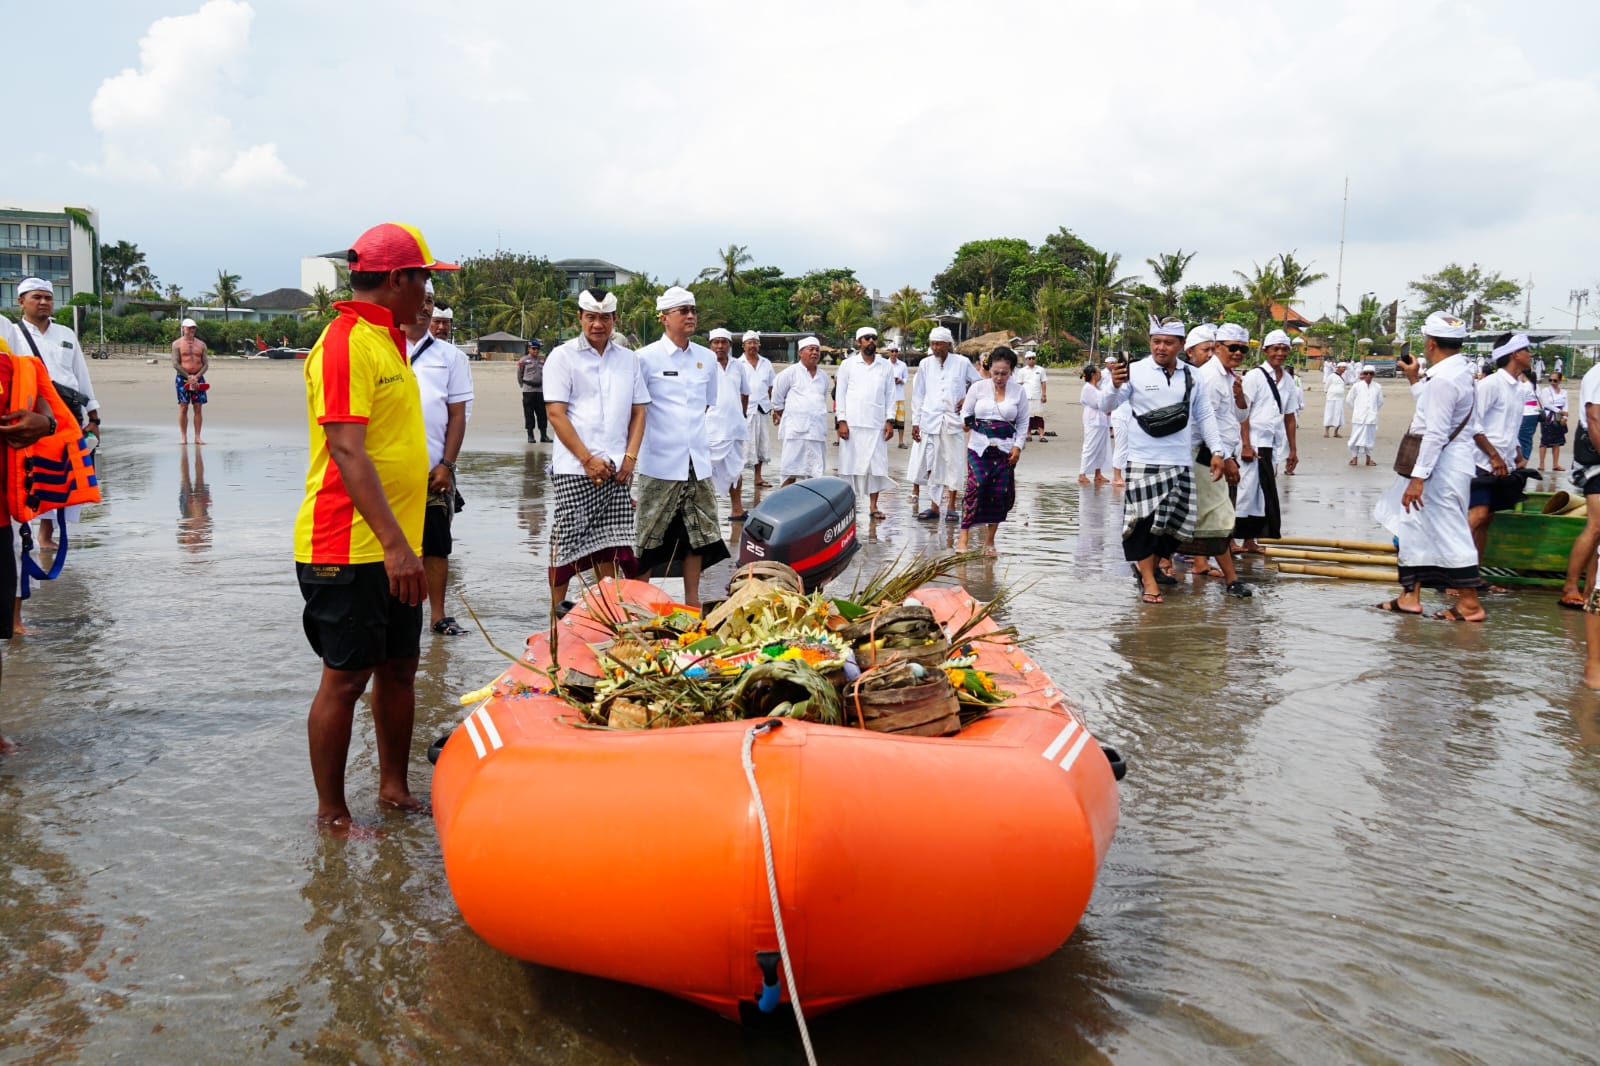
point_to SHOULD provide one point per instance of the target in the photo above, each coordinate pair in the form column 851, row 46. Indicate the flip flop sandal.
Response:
column 1151, row 598
column 447, row 627
column 952, row 517
column 736, row 517
column 1450, row 614
column 1240, row 590
column 1393, row 607
column 930, row 515
column 1570, row 605
column 878, row 516
column 1165, row 578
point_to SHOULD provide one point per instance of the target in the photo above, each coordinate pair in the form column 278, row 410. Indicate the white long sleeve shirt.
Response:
column 1218, row 381
column 1150, row 388
column 938, row 391
column 980, row 404
column 62, row 353
column 1445, row 399
column 1365, row 400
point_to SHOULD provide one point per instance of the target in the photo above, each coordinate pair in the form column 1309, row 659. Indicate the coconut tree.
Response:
column 1051, row 305
column 1168, row 268
column 727, row 272
column 465, row 292
column 1294, row 277
column 1263, row 287
column 808, row 304
column 321, row 305
column 1100, row 290
column 847, row 314
column 907, row 310
column 516, row 306
column 226, row 292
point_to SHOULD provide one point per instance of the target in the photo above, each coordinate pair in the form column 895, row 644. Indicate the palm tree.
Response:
column 1293, row 278
column 809, row 303
column 1050, row 305
column 990, row 264
column 1169, row 268
column 516, row 306
column 1262, row 289
column 321, row 305
column 464, row 291
column 226, row 292
column 733, row 257
column 847, row 314
column 1100, row 289
column 906, row 311
column 81, row 219
column 985, row 312
column 123, row 263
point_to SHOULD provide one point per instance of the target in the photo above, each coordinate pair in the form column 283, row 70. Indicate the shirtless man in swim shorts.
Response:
column 189, row 364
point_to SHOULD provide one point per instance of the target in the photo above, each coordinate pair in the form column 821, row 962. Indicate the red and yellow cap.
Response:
column 394, row 246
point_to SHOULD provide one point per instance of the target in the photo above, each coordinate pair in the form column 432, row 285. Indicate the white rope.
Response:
column 747, row 759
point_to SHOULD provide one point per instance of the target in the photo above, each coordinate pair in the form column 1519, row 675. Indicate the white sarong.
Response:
column 803, row 458
column 1333, row 407
column 1434, row 538
column 758, row 443
column 727, row 463
column 1362, row 438
column 1096, row 450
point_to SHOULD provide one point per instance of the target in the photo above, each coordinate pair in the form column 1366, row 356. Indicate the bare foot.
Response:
column 183, row 440
column 1371, row 463
column 1101, row 481
column 1206, row 571
column 1083, row 479
column 405, row 802
column 1352, row 462
column 345, row 829
column 197, row 440
column 7, row 746
column 990, row 552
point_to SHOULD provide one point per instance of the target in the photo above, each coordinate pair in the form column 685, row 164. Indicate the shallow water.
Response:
column 1345, row 836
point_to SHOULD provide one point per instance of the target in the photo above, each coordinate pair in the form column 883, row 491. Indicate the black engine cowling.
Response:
column 810, row 526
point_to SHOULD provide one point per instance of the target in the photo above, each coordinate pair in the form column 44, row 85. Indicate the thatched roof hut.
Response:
column 986, row 343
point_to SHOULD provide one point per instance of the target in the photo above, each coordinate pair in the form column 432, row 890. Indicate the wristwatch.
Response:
column 448, row 465
column 52, row 419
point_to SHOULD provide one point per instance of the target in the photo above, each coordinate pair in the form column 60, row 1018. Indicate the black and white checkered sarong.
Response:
column 589, row 517
column 1164, row 491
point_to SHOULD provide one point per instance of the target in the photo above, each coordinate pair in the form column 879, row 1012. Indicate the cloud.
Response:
column 165, row 123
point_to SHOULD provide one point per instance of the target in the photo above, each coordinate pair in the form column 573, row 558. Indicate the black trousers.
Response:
column 534, row 417
column 1271, row 524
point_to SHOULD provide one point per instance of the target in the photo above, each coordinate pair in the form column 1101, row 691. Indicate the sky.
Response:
column 226, row 134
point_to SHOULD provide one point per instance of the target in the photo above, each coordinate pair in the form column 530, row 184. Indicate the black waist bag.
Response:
column 1165, row 421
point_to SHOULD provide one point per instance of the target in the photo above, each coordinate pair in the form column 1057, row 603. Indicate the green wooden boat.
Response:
column 1528, row 547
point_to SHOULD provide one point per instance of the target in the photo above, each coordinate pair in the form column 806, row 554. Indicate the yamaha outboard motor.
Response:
column 810, row 525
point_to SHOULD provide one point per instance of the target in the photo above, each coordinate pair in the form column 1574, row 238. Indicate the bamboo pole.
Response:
column 1323, row 542
column 1374, row 559
column 1352, row 573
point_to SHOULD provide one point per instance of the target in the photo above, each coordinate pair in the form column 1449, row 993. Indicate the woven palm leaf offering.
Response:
column 876, row 659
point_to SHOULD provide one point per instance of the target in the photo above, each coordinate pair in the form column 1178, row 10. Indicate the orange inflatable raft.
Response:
column 898, row 861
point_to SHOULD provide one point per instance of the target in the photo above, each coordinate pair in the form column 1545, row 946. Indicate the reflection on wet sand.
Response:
column 47, row 999
column 194, row 503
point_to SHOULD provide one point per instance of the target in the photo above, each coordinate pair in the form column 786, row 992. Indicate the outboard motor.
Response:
column 810, row 526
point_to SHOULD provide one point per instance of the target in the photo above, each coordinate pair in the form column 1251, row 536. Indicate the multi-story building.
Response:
column 39, row 240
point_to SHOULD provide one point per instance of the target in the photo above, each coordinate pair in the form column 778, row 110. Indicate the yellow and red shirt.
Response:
column 357, row 372
column 5, row 405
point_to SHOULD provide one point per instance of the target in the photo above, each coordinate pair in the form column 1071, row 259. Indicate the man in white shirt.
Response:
column 595, row 398
column 1214, row 514
column 1158, row 507
column 759, row 372
column 445, row 383
column 1427, row 511
column 58, row 347
column 864, row 404
column 728, row 423
column 939, row 460
column 891, row 352
column 1034, row 381
column 1272, row 395
column 1333, row 384
column 800, row 411
column 1498, row 481
column 1366, row 400
column 677, row 499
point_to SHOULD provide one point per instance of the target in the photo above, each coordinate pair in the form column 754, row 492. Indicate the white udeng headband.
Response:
column 1512, row 346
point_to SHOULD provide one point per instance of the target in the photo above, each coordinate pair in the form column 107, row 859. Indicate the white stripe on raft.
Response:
column 1072, row 756
column 477, row 741
column 488, row 725
column 1061, row 740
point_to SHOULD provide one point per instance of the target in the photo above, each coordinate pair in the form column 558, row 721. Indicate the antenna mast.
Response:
column 1338, row 285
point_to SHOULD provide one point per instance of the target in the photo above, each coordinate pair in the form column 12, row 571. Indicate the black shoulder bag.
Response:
column 1165, row 421
column 77, row 401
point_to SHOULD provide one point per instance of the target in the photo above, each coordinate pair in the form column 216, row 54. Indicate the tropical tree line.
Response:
column 1065, row 293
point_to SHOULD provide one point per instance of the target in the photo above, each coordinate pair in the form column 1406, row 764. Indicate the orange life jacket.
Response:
column 55, row 471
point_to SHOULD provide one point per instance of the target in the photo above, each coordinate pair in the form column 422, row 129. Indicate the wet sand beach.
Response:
column 1345, row 836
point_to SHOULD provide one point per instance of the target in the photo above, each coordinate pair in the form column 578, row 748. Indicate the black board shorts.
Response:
column 352, row 620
